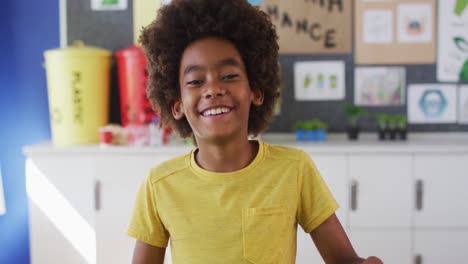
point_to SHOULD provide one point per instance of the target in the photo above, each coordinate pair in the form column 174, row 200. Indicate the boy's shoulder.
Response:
column 283, row 152
column 169, row 167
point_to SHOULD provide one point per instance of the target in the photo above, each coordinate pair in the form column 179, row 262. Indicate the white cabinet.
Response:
column 443, row 190
column 390, row 245
column 118, row 178
column 400, row 202
column 381, row 187
column 440, row 246
column 61, row 209
column 333, row 170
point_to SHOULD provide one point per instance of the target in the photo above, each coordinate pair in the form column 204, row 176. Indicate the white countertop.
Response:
column 441, row 142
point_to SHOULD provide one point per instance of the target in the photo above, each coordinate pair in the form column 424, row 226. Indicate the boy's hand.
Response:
column 372, row 260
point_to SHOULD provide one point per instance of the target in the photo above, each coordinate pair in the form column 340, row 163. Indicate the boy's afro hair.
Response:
column 184, row 21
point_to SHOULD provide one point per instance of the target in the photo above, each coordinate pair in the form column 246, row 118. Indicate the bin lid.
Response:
column 130, row 51
column 78, row 49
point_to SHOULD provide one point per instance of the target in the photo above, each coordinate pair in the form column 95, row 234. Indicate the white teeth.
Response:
column 216, row 111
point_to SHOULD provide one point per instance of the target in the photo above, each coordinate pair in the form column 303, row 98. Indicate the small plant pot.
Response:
column 382, row 133
column 321, row 135
column 310, row 135
column 300, row 135
column 393, row 134
column 353, row 133
column 402, row 133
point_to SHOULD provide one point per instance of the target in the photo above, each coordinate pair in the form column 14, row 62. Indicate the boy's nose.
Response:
column 214, row 89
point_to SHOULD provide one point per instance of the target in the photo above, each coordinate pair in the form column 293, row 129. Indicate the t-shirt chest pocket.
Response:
column 264, row 234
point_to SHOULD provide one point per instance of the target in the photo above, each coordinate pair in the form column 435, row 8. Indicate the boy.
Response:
column 214, row 75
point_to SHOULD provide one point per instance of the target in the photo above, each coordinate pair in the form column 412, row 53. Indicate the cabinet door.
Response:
column 306, row 251
column 390, row 245
column 442, row 182
column 61, row 209
column 441, row 246
column 120, row 177
column 382, row 190
column 333, row 170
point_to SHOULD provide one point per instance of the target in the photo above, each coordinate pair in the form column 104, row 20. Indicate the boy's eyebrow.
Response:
column 225, row 62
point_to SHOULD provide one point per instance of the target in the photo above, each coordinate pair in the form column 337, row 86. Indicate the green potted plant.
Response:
column 310, row 127
column 382, row 125
column 300, row 127
column 321, row 133
column 392, row 126
column 353, row 112
column 402, row 126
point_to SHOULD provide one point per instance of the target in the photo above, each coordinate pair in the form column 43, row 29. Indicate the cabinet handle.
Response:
column 418, row 259
column 419, row 195
column 354, row 190
column 97, row 195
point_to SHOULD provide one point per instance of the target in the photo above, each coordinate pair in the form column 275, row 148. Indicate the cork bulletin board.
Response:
column 114, row 30
column 306, row 27
column 383, row 32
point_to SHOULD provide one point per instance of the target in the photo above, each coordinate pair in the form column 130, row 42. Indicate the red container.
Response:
column 135, row 109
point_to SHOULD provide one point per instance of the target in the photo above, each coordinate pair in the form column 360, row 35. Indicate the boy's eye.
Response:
column 195, row 82
column 230, row 76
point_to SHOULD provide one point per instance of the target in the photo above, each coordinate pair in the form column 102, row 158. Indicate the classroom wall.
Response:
column 27, row 29
column 113, row 30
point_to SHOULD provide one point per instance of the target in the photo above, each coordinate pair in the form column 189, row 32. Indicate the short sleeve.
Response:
column 316, row 202
column 145, row 224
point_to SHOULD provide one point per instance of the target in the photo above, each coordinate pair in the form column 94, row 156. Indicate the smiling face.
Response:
column 215, row 92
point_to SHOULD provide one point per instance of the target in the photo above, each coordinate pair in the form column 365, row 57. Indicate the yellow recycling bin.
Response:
column 78, row 91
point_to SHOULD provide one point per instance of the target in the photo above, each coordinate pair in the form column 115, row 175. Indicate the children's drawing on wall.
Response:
column 378, row 26
column 452, row 61
column 379, row 86
column 415, row 23
column 320, row 80
column 463, row 105
column 2, row 196
column 432, row 103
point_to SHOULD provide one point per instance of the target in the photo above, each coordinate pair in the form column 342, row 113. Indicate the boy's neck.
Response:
column 229, row 157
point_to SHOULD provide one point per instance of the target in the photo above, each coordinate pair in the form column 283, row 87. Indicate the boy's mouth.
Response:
column 216, row 111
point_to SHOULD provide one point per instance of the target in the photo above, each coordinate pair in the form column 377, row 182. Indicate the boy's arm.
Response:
column 334, row 245
column 146, row 254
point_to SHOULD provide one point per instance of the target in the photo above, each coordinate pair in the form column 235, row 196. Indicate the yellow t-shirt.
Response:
column 246, row 216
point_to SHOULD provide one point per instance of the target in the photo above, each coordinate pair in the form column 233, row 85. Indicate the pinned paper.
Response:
column 415, row 23
column 378, row 26
column 319, row 80
column 432, row 103
column 452, row 59
column 379, row 86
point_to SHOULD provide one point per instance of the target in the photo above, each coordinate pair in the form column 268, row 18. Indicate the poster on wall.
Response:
column 379, row 86
column 452, row 59
column 378, row 26
column 2, row 196
column 319, row 80
column 415, row 23
column 311, row 27
column 395, row 32
column 432, row 103
column 463, row 105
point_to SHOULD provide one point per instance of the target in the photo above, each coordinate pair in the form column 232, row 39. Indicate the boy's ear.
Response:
column 177, row 110
column 258, row 97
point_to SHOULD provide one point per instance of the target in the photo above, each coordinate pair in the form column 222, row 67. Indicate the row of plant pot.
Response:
column 311, row 130
column 389, row 126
